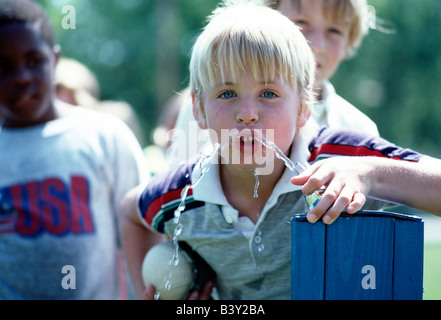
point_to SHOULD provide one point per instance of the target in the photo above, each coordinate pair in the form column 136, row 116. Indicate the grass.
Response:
column 432, row 271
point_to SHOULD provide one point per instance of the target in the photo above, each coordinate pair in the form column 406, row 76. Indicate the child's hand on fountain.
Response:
column 346, row 187
column 349, row 180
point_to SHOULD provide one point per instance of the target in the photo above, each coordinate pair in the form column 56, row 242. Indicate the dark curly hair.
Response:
column 27, row 11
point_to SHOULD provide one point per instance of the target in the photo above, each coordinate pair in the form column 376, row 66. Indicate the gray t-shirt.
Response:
column 60, row 188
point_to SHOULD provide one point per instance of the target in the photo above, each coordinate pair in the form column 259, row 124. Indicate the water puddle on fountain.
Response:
column 296, row 168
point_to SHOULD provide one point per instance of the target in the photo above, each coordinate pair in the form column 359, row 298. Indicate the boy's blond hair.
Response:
column 357, row 14
column 245, row 33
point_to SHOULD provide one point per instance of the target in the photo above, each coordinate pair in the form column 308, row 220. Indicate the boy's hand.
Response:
column 345, row 184
column 149, row 292
column 205, row 293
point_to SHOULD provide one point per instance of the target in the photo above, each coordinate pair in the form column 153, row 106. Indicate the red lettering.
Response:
column 54, row 207
column 80, row 211
column 50, row 206
column 28, row 220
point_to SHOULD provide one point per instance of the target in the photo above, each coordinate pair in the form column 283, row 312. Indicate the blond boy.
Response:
column 251, row 74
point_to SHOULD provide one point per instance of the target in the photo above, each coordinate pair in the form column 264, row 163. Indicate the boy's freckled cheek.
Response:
column 218, row 113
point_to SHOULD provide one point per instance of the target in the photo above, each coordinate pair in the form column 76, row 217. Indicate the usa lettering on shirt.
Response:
column 51, row 205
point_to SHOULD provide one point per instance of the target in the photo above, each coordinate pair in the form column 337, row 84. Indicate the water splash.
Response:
column 296, row 168
column 256, row 185
column 174, row 261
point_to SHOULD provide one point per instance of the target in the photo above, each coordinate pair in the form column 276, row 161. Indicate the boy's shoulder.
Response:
column 165, row 193
column 341, row 113
column 171, row 180
column 349, row 142
column 92, row 122
column 88, row 116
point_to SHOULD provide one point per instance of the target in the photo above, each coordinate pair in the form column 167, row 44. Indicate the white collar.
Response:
column 209, row 188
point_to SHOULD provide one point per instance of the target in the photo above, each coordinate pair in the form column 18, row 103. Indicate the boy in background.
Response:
column 63, row 173
column 334, row 30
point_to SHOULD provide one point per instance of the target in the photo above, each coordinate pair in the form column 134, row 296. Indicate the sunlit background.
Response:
column 139, row 51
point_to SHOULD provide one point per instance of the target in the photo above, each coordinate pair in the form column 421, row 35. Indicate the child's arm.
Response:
column 136, row 241
column 349, row 180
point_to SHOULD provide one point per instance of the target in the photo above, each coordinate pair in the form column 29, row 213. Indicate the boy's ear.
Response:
column 198, row 111
column 303, row 115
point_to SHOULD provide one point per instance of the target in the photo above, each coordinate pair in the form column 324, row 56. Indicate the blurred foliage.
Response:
column 139, row 50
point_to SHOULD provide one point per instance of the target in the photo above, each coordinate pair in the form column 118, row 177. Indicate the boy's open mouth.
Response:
column 248, row 140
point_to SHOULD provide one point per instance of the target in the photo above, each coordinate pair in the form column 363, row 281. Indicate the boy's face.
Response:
column 27, row 64
column 328, row 38
column 245, row 108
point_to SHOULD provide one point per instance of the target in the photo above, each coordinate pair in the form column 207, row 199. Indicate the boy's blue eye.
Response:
column 268, row 94
column 227, row 95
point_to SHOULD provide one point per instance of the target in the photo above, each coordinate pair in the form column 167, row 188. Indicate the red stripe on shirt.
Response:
column 346, row 150
column 157, row 204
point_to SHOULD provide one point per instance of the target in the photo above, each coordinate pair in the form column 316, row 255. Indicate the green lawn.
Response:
column 432, row 271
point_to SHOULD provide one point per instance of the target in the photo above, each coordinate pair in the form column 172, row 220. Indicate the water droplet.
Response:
column 168, row 285
column 181, row 207
column 178, row 230
column 174, row 260
column 256, row 186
